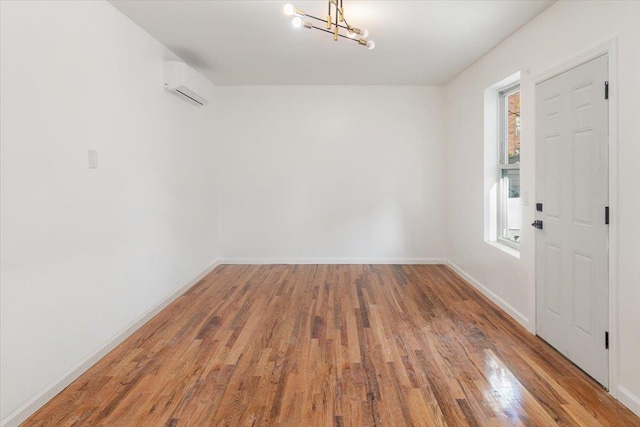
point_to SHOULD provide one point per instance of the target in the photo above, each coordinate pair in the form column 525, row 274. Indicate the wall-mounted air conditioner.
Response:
column 187, row 83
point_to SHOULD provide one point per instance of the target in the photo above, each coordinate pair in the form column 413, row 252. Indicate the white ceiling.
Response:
column 252, row 42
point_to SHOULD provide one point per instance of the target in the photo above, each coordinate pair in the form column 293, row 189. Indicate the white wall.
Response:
column 558, row 34
column 85, row 252
column 331, row 174
column 312, row 174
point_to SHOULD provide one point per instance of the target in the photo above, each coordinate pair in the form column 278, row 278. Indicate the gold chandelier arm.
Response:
column 336, row 29
column 331, row 32
column 322, row 20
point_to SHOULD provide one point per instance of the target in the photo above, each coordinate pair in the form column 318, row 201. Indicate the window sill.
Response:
column 505, row 248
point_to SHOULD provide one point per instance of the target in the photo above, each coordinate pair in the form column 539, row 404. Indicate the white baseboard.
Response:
column 629, row 400
column 519, row 317
column 36, row 402
column 333, row 261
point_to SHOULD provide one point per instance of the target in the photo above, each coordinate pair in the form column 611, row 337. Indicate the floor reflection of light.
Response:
column 505, row 390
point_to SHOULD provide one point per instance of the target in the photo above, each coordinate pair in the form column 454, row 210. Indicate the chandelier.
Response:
column 334, row 23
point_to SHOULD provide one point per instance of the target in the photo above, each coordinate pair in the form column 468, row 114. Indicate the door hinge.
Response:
column 606, row 340
column 606, row 214
column 606, row 90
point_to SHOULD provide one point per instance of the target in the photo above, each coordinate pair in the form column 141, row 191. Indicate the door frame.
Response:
column 610, row 48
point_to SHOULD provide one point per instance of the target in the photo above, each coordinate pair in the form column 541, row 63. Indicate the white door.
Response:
column 572, row 205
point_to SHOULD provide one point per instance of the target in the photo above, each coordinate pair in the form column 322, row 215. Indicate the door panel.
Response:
column 582, row 196
column 552, row 175
column 572, row 184
column 583, row 285
column 553, row 279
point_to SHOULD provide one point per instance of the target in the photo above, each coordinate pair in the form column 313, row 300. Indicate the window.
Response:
column 508, row 197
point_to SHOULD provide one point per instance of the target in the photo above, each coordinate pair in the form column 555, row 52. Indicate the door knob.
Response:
column 537, row 224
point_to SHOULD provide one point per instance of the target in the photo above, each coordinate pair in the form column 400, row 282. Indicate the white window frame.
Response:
column 503, row 163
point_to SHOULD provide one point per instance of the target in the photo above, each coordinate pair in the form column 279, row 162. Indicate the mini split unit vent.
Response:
column 187, row 83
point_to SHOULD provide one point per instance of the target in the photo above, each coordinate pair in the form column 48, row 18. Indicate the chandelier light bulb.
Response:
column 289, row 9
column 352, row 34
column 371, row 45
column 364, row 33
column 296, row 22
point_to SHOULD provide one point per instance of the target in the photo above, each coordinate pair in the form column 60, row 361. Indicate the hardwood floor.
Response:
column 333, row 345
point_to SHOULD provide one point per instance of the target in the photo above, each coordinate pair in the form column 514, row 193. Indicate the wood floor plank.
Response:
column 333, row 345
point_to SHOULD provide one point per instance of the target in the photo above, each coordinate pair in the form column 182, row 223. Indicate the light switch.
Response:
column 93, row 159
